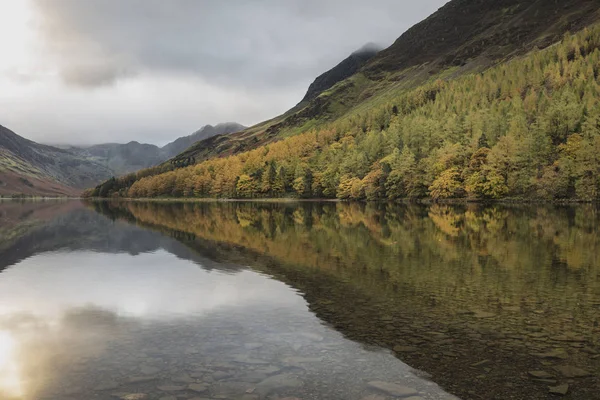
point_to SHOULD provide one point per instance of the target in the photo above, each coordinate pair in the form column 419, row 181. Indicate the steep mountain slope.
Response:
column 343, row 70
column 121, row 159
column 31, row 168
column 174, row 148
column 464, row 36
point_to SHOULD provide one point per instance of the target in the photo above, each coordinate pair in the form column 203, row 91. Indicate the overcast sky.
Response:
column 94, row 71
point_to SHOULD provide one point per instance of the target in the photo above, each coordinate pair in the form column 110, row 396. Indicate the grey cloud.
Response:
column 153, row 70
column 234, row 42
column 100, row 74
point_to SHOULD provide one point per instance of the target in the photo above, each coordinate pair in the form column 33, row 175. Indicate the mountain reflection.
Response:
column 477, row 296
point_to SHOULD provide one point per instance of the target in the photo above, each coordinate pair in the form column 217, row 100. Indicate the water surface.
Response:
column 306, row 300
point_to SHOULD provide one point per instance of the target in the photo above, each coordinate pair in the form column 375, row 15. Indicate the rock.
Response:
column 560, row 389
column 392, row 389
column 278, row 382
column 555, row 353
column 168, row 398
column 198, row 387
column 569, row 371
column 171, row 388
column 374, row 397
column 405, row 349
column 540, row 374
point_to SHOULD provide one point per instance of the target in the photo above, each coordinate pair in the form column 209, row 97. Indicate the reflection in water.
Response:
column 494, row 302
column 10, row 383
column 98, row 308
column 491, row 302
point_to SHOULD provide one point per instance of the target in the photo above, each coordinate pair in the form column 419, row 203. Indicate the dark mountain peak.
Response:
column 369, row 48
column 343, row 70
column 207, row 131
column 481, row 32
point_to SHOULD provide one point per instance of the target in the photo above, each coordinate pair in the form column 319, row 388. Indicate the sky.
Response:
column 83, row 72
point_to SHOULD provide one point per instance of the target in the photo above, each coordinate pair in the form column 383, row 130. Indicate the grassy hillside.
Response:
column 528, row 128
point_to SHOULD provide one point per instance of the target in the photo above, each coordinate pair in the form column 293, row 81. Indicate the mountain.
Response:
column 485, row 99
column 343, row 70
column 125, row 158
column 31, row 168
column 174, row 148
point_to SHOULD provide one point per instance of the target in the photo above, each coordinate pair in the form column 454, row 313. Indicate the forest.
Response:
column 525, row 129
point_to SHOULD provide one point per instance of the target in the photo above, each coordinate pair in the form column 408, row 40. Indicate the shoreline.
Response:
column 425, row 201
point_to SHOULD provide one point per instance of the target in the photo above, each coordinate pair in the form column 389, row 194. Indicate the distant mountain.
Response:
column 125, row 158
column 343, row 70
column 30, row 168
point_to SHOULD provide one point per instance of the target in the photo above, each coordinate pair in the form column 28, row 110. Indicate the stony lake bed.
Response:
column 297, row 301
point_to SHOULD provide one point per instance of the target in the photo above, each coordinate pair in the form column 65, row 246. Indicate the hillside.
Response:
column 31, row 168
column 343, row 70
column 463, row 105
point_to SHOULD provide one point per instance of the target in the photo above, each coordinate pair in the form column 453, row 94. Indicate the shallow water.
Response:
column 91, row 308
column 302, row 300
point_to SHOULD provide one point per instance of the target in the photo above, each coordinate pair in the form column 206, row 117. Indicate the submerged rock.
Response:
column 560, row 389
column 540, row 374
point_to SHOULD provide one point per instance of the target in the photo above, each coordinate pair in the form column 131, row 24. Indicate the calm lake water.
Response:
column 108, row 300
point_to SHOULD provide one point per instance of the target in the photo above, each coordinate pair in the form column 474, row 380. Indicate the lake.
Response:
column 298, row 300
